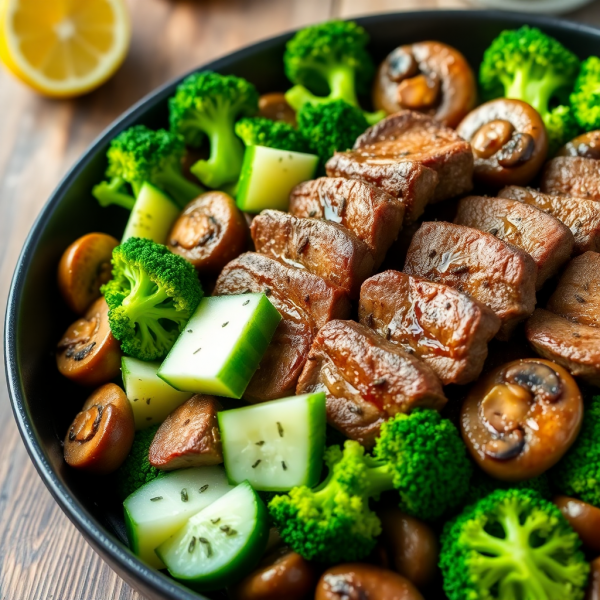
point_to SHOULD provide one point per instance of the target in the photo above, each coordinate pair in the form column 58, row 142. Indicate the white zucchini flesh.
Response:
column 152, row 399
column 222, row 345
column 269, row 175
column 159, row 509
column 152, row 216
column 275, row 445
column 221, row 543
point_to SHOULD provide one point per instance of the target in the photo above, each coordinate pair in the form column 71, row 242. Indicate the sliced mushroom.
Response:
column 274, row 106
column 583, row 518
column 430, row 77
column 593, row 589
column 101, row 435
column 520, row 420
column 586, row 145
column 509, row 141
column 210, row 232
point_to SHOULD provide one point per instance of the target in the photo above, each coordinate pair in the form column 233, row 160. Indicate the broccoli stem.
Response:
column 108, row 193
column 178, row 187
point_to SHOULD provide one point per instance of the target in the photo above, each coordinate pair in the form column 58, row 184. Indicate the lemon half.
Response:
column 63, row 48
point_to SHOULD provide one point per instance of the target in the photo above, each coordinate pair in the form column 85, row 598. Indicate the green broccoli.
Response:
column 578, row 473
column 152, row 295
column 561, row 126
column 512, row 544
column 585, row 99
column 208, row 104
column 140, row 154
column 331, row 60
column 259, row 131
column 483, row 485
column 529, row 65
column 137, row 470
column 331, row 127
column 419, row 455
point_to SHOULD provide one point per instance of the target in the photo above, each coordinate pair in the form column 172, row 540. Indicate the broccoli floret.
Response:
column 331, row 127
column 578, row 473
column 208, row 104
column 585, row 99
column 561, row 127
column 259, row 131
column 512, row 544
column 152, row 295
column 419, row 455
column 331, row 60
column 140, row 154
column 482, row 485
column 136, row 470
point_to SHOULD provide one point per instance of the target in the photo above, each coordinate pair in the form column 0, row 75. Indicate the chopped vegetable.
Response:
column 585, row 99
column 207, row 104
column 151, row 399
column 268, row 176
column 151, row 297
column 156, row 511
column 275, row 445
column 259, row 131
column 221, row 543
column 512, row 544
column 420, row 455
column 222, row 345
column 482, row 485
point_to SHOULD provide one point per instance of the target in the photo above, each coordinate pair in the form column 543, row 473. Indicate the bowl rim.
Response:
column 104, row 543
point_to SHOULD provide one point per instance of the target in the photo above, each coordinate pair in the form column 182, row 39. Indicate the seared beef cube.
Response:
column 322, row 247
column 581, row 216
column 479, row 264
column 577, row 296
column 366, row 379
column 545, row 238
column 305, row 301
column 372, row 214
column 572, row 345
column 447, row 329
column 408, row 137
column 572, row 176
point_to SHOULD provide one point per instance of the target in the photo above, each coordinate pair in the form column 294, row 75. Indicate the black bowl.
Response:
column 43, row 402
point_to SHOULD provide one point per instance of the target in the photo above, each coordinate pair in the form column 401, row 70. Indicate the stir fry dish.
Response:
column 351, row 351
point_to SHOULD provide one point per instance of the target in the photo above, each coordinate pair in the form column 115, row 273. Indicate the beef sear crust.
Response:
column 572, row 176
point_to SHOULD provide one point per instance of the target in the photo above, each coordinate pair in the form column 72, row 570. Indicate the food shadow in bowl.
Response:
column 43, row 402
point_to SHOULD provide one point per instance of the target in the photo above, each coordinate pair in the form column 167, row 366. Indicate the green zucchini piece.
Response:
column 269, row 175
column 221, row 543
column 275, row 445
column 152, row 399
column 152, row 216
column 162, row 507
column 222, row 345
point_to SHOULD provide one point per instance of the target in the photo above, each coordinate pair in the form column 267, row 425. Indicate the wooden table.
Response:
column 42, row 556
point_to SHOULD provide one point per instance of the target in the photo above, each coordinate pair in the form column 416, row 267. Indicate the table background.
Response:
column 42, row 556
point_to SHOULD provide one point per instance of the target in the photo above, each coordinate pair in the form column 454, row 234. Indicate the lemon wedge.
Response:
column 63, row 48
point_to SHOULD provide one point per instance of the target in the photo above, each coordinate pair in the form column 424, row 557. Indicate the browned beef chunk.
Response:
column 449, row 330
column 366, row 379
column 577, row 296
column 305, row 301
column 581, row 216
column 572, row 176
column 479, row 264
column 322, row 247
column 408, row 138
column 372, row 214
column 545, row 238
column 573, row 345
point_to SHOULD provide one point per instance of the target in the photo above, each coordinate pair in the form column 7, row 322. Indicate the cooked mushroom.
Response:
column 520, row 419
column 283, row 574
column 412, row 546
column 274, row 106
column 430, row 77
column 101, row 435
column 87, row 352
column 586, row 145
column 593, row 590
column 210, row 232
column 83, row 268
column 364, row 582
column 509, row 141
column 583, row 518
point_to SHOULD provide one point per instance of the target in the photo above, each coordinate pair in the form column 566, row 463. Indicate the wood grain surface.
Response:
column 42, row 556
